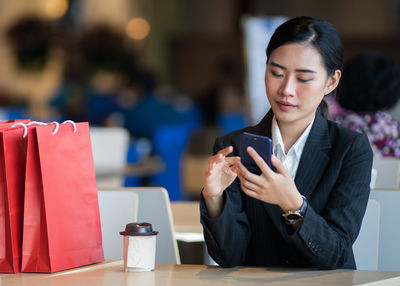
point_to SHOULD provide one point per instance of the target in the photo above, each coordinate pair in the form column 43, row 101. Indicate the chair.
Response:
column 388, row 173
column 110, row 148
column 155, row 208
column 389, row 247
column 230, row 121
column 366, row 246
column 9, row 113
column 169, row 143
column 117, row 208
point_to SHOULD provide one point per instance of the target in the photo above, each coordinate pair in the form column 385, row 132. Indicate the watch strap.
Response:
column 292, row 217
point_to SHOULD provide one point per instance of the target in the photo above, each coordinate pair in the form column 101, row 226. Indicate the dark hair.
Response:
column 320, row 34
column 370, row 82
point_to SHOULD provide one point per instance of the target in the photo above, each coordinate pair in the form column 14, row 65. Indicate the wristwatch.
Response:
column 293, row 217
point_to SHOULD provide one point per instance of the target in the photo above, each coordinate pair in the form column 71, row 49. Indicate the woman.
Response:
column 308, row 213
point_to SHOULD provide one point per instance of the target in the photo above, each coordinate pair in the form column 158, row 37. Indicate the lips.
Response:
column 285, row 106
column 286, row 103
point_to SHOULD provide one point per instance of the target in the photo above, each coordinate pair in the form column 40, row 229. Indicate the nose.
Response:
column 288, row 87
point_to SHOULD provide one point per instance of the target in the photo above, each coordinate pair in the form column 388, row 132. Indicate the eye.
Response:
column 275, row 74
column 304, row 80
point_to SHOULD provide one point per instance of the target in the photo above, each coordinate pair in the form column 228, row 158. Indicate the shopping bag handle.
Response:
column 26, row 126
column 72, row 122
column 55, row 129
column 42, row 123
column 65, row 122
column 36, row 122
column 23, row 125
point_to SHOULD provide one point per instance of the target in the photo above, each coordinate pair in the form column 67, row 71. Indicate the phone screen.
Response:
column 262, row 145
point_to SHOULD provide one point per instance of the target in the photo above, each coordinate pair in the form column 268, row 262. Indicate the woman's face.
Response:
column 296, row 82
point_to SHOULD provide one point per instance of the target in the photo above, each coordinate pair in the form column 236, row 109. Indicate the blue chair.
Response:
column 169, row 143
column 132, row 157
column 11, row 113
column 231, row 121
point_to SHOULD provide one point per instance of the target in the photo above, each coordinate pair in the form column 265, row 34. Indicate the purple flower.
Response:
column 382, row 130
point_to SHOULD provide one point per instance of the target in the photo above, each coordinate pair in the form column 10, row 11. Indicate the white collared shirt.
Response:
column 292, row 158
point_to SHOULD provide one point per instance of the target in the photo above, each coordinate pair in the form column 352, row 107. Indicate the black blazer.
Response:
column 333, row 174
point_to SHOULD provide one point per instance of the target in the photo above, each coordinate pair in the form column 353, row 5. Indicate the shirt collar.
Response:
column 277, row 140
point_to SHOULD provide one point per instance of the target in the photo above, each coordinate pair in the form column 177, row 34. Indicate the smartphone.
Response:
column 262, row 145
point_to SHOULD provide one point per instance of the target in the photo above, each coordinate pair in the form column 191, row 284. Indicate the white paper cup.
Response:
column 139, row 253
column 139, row 247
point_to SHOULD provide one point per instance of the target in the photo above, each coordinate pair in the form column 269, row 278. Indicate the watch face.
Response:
column 293, row 217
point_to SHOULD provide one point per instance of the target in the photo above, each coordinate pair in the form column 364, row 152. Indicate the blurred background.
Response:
column 174, row 74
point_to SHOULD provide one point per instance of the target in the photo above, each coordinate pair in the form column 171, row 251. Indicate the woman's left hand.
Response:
column 271, row 187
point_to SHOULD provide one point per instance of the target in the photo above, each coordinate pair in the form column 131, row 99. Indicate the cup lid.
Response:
column 138, row 229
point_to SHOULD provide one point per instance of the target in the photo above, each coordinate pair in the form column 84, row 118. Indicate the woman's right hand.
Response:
column 220, row 174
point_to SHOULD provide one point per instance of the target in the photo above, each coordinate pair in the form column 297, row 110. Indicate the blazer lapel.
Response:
column 314, row 158
column 313, row 161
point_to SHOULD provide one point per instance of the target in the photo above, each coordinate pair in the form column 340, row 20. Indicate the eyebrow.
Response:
column 297, row 70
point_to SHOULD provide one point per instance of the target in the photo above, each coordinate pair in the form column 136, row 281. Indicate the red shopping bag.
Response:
column 61, row 226
column 12, row 174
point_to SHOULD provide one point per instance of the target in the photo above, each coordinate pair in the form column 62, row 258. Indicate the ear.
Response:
column 333, row 82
